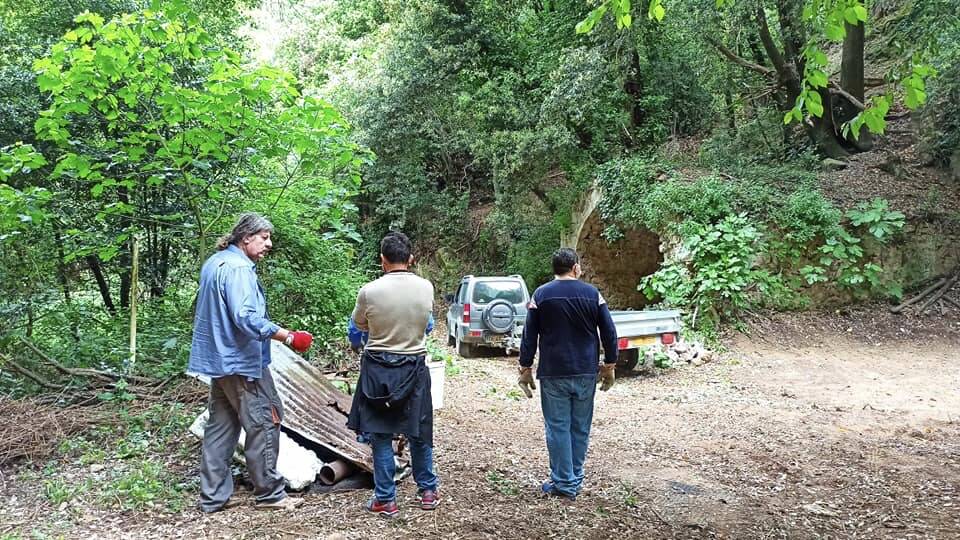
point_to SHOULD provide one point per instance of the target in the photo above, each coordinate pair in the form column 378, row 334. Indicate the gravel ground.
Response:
column 799, row 430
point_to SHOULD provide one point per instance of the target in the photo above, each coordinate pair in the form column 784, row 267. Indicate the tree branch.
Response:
column 835, row 89
column 84, row 372
column 776, row 57
column 739, row 60
column 29, row 374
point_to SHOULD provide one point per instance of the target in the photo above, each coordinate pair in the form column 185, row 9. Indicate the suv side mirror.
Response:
column 448, row 298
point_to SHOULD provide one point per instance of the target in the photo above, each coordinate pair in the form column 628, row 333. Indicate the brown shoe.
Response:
column 286, row 503
column 232, row 503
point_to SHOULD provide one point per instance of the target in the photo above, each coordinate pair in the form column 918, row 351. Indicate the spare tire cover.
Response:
column 499, row 316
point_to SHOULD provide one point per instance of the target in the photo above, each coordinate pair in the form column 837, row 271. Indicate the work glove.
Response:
column 607, row 376
column 526, row 381
column 299, row 341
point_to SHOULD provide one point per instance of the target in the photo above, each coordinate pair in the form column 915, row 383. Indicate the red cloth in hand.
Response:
column 301, row 341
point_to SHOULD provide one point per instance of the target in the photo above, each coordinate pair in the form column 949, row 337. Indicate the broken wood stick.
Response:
column 918, row 297
column 951, row 301
column 939, row 292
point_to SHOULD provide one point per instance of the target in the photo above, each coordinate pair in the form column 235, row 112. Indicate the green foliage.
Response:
column 941, row 116
column 145, row 484
column 757, row 140
column 442, row 354
column 742, row 242
column 641, row 192
column 187, row 123
column 312, row 282
column 129, row 474
column 59, row 491
column 660, row 358
column 119, row 393
column 152, row 127
column 877, row 218
column 824, row 19
column 501, row 484
column 20, row 209
column 718, row 272
column 841, row 256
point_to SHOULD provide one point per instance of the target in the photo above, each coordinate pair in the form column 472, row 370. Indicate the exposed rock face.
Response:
column 616, row 268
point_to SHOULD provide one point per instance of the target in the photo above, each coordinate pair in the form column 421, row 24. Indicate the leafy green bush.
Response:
column 313, row 285
column 840, row 256
column 759, row 140
column 145, row 483
column 744, row 241
column 717, row 272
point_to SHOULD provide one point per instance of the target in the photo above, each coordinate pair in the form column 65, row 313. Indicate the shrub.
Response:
column 718, row 275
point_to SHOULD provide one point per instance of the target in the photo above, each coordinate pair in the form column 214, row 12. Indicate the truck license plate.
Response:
column 638, row 342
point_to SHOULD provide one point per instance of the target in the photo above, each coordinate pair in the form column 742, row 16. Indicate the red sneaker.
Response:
column 428, row 498
column 385, row 509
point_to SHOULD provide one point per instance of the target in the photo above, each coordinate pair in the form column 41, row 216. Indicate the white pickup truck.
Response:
column 635, row 331
column 639, row 329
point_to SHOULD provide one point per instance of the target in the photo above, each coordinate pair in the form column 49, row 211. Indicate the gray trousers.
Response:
column 254, row 406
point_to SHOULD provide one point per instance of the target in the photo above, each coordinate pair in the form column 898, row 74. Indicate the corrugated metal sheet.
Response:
column 314, row 408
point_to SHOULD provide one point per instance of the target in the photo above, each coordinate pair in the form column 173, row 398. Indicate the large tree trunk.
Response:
column 823, row 131
column 851, row 79
column 94, row 264
column 125, row 260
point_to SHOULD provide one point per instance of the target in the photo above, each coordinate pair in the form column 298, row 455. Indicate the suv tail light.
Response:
column 667, row 339
column 466, row 313
column 623, row 343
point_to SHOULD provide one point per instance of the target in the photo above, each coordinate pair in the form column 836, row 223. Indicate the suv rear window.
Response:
column 485, row 292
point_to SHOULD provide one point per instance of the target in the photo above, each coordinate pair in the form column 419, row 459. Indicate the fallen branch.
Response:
column 918, row 297
column 940, row 292
column 29, row 374
column 31, row 429
column 86, row 372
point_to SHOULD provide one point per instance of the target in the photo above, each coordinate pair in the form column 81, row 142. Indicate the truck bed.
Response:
column 631, row 324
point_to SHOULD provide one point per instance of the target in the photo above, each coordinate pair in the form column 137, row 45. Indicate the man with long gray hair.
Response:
column 231, row 345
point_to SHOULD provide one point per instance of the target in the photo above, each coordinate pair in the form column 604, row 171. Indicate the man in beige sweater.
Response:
column 393, row 392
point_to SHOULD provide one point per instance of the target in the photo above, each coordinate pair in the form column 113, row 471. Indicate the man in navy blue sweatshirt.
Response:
column 568, row 319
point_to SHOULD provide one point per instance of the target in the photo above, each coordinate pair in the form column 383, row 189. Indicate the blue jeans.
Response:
column 385, row 468
column 567, row 404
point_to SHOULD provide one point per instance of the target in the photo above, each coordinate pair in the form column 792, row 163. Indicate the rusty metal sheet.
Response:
column 314, row 408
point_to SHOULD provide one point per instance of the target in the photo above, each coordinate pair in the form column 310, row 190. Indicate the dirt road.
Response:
column 799, row 436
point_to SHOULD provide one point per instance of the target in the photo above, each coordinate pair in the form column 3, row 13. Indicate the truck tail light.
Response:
column 667, row 339
column 466, row 313
column 623, row 343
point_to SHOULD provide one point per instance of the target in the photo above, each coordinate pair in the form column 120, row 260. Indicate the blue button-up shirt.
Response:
column 231, row 332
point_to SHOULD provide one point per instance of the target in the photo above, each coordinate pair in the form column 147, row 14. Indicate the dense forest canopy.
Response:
column 476, row 126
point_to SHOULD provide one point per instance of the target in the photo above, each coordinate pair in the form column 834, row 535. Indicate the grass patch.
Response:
column 501, row 484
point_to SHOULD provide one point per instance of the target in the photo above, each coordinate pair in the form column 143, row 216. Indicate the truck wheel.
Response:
column 466, row 350
column 627, row 360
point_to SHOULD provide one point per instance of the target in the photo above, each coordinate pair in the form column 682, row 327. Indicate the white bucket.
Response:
column 437, row 372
